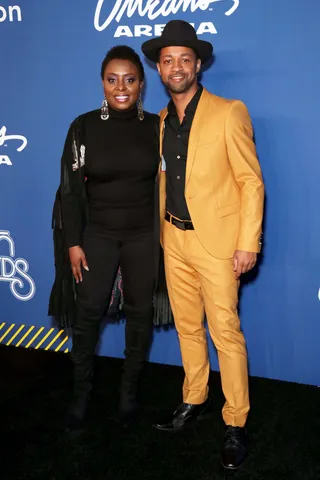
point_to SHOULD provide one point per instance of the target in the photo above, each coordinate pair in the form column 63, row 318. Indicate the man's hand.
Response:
column 77, row 257
column 243, row 262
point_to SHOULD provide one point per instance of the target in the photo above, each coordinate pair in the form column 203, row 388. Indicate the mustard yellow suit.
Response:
column 224, row 193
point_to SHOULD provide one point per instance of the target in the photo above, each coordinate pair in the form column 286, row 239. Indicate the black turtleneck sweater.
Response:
column 121, row 163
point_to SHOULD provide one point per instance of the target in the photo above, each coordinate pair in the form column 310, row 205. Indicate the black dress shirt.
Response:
column 175, row 152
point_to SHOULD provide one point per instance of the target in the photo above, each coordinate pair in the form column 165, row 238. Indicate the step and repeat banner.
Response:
column 266, row 54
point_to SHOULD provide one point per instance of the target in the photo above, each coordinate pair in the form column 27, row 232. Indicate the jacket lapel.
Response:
column 163, row 115
column 162, row 175
column 195, row 130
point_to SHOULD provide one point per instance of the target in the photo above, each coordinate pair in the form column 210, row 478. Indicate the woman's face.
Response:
column 121, row 84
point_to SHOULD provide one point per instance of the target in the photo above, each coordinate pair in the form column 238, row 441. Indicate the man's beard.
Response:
column 180, row 87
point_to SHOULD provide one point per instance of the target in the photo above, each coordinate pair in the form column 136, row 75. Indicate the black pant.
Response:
column 105, row 251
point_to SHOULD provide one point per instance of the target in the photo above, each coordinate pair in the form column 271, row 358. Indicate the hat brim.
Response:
column 151, row 48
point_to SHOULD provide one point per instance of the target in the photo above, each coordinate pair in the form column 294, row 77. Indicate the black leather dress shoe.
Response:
column 185, row 413
column 235, row 449
column 76, row 413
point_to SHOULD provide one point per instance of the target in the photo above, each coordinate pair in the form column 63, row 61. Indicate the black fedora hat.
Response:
column 177, row 33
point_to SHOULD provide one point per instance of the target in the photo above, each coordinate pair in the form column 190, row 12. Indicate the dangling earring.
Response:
column 140, row 109
column 104, row 110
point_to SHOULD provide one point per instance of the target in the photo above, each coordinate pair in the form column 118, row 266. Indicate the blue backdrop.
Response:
column 266, row 55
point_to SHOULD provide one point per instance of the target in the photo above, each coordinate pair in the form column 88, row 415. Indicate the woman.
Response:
column 106, row 208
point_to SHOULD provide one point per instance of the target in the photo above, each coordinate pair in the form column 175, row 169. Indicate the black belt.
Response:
column 182, row 224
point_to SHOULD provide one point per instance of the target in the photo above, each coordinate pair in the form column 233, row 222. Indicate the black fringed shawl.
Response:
column 62, row 304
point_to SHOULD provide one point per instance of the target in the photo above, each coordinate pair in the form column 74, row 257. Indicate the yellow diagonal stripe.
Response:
column 36, row 336
column 39, row 330
column 8, row 331
column 61, row 344
column 16, row 334
column 55, row 338
column 44, row 338
column 24, row 336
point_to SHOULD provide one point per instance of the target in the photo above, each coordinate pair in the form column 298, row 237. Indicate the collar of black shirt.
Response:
column 192, row 105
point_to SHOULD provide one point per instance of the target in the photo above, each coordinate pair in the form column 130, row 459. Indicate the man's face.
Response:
column 178, row 68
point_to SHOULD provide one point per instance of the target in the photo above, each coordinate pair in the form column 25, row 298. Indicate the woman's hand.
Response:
column 77, row 257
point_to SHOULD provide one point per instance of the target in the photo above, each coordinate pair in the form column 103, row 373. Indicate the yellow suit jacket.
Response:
column 224, row 189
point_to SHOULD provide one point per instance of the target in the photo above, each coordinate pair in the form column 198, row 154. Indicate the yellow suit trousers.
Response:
column 199, row 283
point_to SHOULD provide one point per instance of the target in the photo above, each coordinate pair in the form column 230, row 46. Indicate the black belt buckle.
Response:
column 179, row 224
column 186, row 225
column 182, row 225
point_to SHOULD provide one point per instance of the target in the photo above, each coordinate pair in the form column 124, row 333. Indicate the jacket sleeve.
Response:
column 70, row 190
column 245, row 165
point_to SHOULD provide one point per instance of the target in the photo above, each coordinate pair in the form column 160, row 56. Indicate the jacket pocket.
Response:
column 226, row 210
column 208, row 141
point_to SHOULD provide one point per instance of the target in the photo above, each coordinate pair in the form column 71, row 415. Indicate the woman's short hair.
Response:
column 123, row 52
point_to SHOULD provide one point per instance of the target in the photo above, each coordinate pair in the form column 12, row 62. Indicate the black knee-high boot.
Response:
column 138, row 335
column 85, row 335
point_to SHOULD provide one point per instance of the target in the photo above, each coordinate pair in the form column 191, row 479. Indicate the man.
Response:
column 211, row 207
